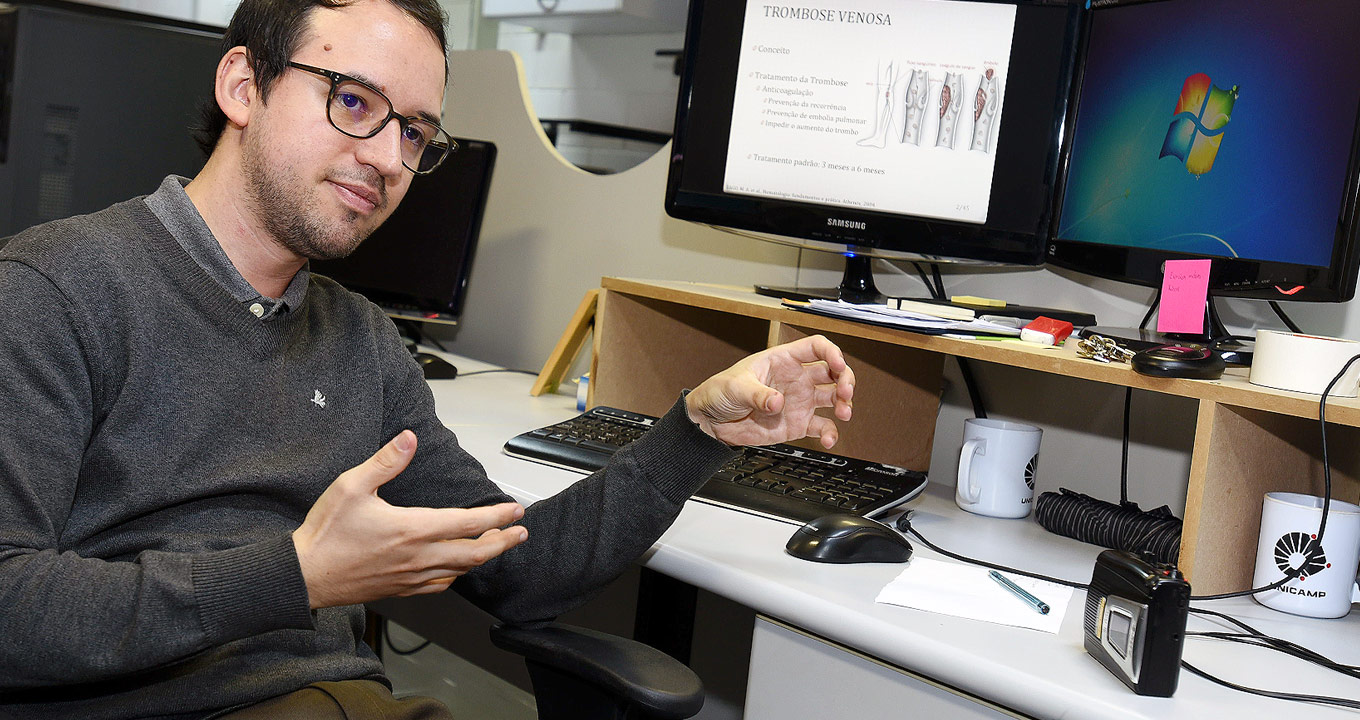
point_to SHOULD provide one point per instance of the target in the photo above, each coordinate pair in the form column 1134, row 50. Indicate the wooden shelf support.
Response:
column 568, row 346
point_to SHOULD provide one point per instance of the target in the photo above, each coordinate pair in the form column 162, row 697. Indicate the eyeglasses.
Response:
column 359, row 110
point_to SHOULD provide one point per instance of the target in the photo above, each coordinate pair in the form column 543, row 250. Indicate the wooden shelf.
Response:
column 656, row 338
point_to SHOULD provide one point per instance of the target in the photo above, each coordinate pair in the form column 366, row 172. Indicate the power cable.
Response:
column 935, row 285
column 1285, row 318
column 387, row 638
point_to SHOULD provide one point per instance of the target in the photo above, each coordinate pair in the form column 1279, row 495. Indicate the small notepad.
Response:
column 966, row 591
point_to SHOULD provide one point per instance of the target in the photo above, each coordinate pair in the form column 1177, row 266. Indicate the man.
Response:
column 184, row 532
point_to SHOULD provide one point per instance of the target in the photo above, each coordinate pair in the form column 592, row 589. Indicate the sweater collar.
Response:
column 172, row 206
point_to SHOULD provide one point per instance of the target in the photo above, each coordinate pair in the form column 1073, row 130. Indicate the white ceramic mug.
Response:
column 996, row 467
column 1289, row 524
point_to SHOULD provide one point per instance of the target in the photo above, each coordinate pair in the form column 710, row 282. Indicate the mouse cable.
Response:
column 496, row 370
column 1315, row 547
column 903, row 523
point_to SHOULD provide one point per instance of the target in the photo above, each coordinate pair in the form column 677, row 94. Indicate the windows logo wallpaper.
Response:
column 1202, row 114
column 1214, row 126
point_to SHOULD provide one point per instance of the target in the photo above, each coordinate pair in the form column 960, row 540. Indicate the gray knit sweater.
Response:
column 158, row 445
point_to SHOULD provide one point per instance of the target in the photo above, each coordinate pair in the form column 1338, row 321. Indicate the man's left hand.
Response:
column 769, row 397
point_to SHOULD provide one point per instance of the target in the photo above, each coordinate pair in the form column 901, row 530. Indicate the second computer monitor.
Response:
column 417, row 264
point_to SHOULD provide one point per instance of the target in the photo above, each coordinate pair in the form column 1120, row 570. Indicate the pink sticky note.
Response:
column 1185, row 288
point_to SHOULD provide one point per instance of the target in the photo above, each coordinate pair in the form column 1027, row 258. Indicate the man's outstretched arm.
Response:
column 581, row 538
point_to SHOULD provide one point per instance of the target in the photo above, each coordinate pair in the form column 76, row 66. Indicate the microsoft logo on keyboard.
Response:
column 887, row 470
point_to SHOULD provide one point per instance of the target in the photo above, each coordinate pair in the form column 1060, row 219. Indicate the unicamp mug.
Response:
column 996, row 467
column 1326, row 587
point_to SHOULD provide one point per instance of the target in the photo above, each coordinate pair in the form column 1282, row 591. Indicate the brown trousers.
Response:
column 348, row 700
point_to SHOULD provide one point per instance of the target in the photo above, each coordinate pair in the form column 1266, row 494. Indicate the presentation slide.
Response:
column 887, row 105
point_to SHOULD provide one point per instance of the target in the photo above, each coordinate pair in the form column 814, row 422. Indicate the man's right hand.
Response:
column 354, row 547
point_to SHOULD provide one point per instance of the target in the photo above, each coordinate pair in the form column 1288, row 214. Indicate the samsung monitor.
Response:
column 1219, row 129
column 926, row 129
column 416, row 265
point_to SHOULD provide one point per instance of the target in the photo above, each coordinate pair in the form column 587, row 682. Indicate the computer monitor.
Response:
column 909, row 128
column 1219, row 129
column 73, row 139
column 416, row 265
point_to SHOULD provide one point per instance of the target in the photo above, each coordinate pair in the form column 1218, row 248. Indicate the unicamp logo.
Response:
column 1202, row 114
column 1296, row 550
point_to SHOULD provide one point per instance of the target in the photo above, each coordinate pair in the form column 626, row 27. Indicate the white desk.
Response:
column 1047, row 676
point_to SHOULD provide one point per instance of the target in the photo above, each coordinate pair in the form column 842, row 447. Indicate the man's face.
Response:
column 318, row 192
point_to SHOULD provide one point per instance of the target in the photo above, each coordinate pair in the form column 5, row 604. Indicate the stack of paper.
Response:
column 917, row 320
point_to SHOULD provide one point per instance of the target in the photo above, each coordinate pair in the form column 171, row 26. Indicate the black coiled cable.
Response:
column 1087, row 519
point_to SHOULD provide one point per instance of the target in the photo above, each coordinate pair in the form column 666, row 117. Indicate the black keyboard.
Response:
column 779, row 481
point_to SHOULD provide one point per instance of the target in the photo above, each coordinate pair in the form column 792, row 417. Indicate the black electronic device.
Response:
column 843, row 538
column 416, row 265
column 854, row 127
column 1135, row 621
column 434, row 367
column 1179, row 361
column 73, row 139
column 1186, row 145
column 782, row 482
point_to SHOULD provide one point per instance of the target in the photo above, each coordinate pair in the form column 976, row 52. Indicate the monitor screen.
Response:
column 929, row 128
column 416, row 265
column 1221, row 129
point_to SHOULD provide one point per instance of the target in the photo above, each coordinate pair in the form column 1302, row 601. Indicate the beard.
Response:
column 293, row 220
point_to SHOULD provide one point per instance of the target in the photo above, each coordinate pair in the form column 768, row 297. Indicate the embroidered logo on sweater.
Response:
column 319, row 399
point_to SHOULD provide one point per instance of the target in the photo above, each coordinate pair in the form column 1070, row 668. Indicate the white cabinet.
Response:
column 796, row 675
column 584, row 17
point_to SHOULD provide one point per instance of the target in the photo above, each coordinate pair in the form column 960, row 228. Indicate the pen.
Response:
column 1039, row 605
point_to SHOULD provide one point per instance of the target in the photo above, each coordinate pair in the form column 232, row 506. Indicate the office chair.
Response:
column 582, row 674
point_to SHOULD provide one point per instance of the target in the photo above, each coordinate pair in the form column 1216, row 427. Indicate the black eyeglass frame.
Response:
column 403, row 121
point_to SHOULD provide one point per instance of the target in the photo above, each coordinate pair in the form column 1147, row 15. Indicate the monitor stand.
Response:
column 1233, row 351
column 857, row 286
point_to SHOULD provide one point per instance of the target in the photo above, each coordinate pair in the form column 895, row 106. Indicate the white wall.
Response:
column 614, row 79
column 551, row 230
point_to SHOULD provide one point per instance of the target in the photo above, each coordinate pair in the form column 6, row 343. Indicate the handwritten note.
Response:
column 1185, row 288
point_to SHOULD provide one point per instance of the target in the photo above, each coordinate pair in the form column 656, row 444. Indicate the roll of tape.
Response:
column 1304, row 363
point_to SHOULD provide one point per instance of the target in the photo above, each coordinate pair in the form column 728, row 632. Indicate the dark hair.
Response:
column 270, row 31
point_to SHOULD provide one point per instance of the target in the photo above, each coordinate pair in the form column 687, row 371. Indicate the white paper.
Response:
column 967, row 591
column 904, row 318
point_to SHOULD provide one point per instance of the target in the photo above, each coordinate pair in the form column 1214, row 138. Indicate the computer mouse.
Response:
column 435, row 367
column 845, row 538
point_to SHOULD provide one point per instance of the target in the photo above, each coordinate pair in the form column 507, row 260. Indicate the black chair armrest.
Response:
column 569, row 665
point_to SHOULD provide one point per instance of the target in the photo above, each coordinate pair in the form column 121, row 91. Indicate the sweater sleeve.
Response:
column 73, row 619
column 579, row 539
